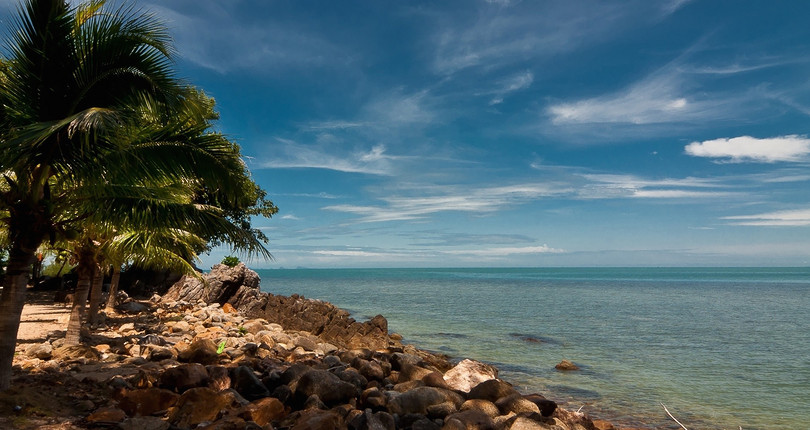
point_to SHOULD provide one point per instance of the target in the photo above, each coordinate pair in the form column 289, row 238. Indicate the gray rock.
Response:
column 132, row 307
column 245, row 382
column 42, row 351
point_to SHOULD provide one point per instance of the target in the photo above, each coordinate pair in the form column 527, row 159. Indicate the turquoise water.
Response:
column 721, row 348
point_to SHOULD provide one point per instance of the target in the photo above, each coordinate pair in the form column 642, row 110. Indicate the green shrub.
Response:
column 53, row 269
column 230, row 261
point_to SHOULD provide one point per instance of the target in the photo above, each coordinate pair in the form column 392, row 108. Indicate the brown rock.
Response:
column 418, row 400
column 547, row 407
column 516, row 404
column 492, row 390
column 202, row 351
column 527, row 423
column 316, row 419
column 42, row 351
column 603, row 425
column 263, row 411
column 373, row 398
column 106, row 415
column 198, row 405
column 147, row 401
column 184, row 377
column 566, row 365
column 226, row 423
column 229, row 309
column 410, row 372
column 469, row 420
column 144, row 423
column 326, row 385
column 435, row 379
column 482, row 405
column 76, row 352
column 218, row 378
column 371, row 370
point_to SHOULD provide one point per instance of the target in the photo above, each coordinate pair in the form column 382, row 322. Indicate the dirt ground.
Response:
column 48, row 401
column 41, row 316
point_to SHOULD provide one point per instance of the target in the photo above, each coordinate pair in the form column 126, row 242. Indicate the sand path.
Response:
column 41, row 316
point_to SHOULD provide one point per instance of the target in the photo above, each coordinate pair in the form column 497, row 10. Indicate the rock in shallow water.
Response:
column 566, row 366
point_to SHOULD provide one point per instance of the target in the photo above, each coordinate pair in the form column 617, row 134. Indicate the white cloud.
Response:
column 451, row 199
column 400, row 109
column 515, row 83
column 504, row 251
column 291, row 154
column 489, row 39
column 291, row 217
column 655, row 99
column 751, row 149
column 211, row 35
column 605, row 186
column 789, row 218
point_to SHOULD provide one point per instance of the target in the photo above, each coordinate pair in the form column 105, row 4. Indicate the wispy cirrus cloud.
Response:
column 505, row 251
column 290, row 155
column 486, row 38
column 509, row 85
column 787, row 218
column 453, row 199
column 792, row 148
column 214, row 36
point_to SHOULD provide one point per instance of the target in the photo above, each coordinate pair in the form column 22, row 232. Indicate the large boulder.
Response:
column 492, row 390
column 326, row 385
column 147, row 401
column 419, row 400
column 199, row 405
column 238, row 286
column 246, row 383
column 469, row 373
column 184, row 377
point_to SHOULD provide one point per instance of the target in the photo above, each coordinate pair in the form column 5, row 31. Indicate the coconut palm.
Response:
column 152, row 211
column 70, row 77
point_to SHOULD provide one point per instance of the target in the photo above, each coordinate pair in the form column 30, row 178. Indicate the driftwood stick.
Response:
column 675, row 419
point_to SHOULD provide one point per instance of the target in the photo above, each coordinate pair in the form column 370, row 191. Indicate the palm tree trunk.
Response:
column 85, row 270
column 95, row 294
column 116, row 277
column 12, row 301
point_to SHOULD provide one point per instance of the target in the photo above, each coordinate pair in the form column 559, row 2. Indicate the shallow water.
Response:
column 721, row 348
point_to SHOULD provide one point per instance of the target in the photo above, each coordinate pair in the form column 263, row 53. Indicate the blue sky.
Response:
column 514, row 133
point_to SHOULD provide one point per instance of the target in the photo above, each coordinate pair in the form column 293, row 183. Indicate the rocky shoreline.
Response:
column 221, row 354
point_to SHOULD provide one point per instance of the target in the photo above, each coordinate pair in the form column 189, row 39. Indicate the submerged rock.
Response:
column 566, row 366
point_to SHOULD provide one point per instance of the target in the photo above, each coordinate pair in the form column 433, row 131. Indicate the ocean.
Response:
column 723, row 348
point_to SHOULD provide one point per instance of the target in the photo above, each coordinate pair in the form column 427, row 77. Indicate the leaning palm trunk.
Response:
column 12, row 301
column 95, row 295
column 116, row 277
column 86, row 271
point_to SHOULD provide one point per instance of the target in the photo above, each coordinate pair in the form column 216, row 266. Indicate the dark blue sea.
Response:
column 721, row 347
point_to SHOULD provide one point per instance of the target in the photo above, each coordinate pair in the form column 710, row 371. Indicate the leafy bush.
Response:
column 53, row 269
column 230, row 261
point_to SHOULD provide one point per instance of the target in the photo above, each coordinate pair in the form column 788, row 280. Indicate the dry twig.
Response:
column 675, row 419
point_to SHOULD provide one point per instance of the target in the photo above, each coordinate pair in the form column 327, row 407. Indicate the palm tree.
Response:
column 152, row 210
column 70, row 77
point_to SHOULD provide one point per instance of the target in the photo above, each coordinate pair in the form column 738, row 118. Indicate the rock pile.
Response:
column 239, row 287
column 182, row 365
